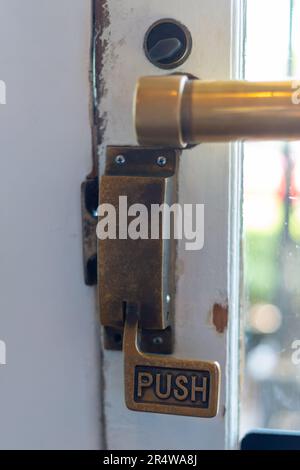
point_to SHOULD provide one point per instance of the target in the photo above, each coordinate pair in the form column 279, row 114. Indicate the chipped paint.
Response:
column 101, row 45
column 220, row 317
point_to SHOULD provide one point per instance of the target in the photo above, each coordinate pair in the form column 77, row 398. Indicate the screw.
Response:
column 120, row 159
column 168, row 298
column 161, row 161
column 157, row 340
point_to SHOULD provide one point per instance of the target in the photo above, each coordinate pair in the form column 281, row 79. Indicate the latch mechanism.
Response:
column 140, row 269
column 161, row 384
column 136, row 280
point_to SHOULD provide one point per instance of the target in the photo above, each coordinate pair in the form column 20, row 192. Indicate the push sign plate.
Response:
column 183, row 388
column 163, row 384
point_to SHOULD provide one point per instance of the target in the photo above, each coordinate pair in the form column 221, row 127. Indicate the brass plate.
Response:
column 164, row 384
column 141, row 271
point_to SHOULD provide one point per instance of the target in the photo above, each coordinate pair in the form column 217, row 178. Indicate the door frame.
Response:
column 208, row 282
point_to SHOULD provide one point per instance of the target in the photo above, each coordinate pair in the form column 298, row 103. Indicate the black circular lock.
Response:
column 167, row 43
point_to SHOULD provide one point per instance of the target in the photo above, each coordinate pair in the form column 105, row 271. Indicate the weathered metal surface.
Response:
column 141, row 270
column 165, row 384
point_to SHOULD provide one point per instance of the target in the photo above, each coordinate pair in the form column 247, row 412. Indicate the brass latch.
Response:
column 140, row 270
column 161, row 384
column 136, row 281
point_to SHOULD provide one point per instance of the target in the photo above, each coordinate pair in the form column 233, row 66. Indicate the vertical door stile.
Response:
column 207, row 280
column 235, row 273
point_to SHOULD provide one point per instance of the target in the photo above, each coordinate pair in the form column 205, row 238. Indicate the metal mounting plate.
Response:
column 141, row 270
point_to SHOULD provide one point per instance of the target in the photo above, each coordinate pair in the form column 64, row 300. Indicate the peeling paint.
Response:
column 101, row 43
column 220, row 317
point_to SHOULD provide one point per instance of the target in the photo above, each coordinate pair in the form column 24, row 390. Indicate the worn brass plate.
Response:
column 141, row 270
column 164, row 384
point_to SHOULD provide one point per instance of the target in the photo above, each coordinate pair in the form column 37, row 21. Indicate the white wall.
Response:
column 49, row 389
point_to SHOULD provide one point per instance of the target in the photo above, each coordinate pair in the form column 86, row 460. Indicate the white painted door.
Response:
column 208, row 280
column 52, row 395
column 50, row 384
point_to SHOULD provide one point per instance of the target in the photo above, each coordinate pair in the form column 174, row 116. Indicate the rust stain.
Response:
column 220, row 317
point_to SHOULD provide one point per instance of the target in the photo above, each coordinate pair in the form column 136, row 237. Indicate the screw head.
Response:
column 120, row 159
column 161, row 161
column 157, row 340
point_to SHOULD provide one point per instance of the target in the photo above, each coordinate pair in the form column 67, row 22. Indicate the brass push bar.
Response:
column 177, row 111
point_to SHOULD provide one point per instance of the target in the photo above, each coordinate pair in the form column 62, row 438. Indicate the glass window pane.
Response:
column 271, row 379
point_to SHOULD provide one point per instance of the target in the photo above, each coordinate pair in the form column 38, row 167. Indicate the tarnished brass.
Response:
column 177, row 111
column 141, row 270
column 164, row 384
column 136, row 280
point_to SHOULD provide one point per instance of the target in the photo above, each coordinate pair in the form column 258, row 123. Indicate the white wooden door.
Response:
column 59, row 388
column 208, row 280
column 50, row 384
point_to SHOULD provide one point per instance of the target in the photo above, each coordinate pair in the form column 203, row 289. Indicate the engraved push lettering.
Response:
column 199, row 389
column 159, row 393
column 145, row 379
column 182, row 392
column 171, row 386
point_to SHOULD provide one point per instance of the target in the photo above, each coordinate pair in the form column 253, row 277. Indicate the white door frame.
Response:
column 208, row 280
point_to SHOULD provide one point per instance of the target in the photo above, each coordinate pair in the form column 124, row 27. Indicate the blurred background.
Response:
column 271, row 378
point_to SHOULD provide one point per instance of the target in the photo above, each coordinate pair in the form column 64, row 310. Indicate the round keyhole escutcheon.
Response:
column 167, row 44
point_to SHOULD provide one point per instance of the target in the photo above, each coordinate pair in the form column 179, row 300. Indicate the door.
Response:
column 207, row 298
column 59, row 387
column 50, row 381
